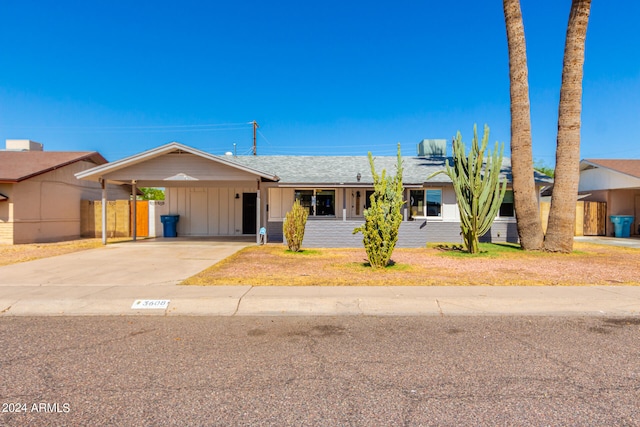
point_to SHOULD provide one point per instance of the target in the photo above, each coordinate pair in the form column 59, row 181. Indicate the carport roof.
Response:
column 94, row 174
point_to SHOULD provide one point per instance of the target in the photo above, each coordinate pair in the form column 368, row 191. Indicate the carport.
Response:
column 213, row 195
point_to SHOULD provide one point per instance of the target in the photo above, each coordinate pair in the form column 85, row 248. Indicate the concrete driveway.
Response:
column 629, row 242
column 149, row 262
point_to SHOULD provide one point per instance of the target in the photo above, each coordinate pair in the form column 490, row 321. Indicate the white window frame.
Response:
column 314, row 200
column 425, row 213
column 426, row 203
column 510, row 217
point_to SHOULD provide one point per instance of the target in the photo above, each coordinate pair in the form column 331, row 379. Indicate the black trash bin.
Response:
column 170, row 225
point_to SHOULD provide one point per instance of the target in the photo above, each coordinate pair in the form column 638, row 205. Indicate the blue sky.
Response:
column 330, row 77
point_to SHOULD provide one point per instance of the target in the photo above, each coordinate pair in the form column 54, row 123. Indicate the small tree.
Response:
column 294, row 224
column 479, row 190
column 151, row 193
column 383, row 218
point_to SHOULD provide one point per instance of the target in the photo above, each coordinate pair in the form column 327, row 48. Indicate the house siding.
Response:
column 206, row 211
column 6, row 232
column 274, row 231
column 502, row 231
column 412, row 234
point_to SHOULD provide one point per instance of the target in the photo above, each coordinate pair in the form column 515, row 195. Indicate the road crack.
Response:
column 240, row 300
column 439, row 308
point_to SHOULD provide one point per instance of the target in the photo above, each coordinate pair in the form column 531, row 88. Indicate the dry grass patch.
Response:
column 273, row 265
column 12, row 254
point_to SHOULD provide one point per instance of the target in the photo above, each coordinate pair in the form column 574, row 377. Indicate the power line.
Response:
column 136, row 127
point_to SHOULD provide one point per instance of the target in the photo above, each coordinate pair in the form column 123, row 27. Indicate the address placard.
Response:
column 150, row 303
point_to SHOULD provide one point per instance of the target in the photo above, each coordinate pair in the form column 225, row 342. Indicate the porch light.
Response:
column 237, row 196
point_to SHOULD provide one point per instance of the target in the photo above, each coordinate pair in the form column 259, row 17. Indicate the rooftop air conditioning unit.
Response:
column 432, row 148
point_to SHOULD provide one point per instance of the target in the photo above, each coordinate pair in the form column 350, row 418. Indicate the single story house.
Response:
column 40, row 195
column 615, row 182
column 240, row 195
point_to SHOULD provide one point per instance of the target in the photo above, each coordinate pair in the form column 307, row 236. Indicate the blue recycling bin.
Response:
column 622, row 225
column 170, row 225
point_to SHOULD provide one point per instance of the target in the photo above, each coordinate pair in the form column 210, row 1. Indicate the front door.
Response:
column 249, row 205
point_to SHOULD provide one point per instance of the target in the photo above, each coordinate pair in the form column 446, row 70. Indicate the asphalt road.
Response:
column 319, row 371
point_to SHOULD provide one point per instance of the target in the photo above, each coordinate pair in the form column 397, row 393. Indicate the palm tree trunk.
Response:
column 525, row 197
column 562, row 214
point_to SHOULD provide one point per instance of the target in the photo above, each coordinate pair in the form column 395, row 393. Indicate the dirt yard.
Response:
column 272, row 265
column 11, row 254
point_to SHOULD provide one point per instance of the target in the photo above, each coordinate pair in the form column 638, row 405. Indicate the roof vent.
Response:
column 23, row 145
column 432, row 148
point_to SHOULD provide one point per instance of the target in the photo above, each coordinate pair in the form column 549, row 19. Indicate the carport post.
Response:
column 134, row 192
column 344, row 204
column 258, row 214
column 104, row 210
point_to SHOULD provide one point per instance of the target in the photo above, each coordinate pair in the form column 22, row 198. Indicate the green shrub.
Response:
column 294, row 224
column 384, row 216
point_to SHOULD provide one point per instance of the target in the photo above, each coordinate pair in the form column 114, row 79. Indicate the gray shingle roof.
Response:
column 344, row 169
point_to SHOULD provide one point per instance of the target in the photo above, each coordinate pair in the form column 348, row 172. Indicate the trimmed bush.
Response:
column 293, row 227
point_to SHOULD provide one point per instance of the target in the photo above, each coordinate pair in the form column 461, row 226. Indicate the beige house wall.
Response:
column 6, row 215
column 619, row 202
column 47, row 207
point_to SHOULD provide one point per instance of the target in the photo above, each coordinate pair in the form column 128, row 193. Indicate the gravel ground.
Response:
column 320, row 371
column 270, row 265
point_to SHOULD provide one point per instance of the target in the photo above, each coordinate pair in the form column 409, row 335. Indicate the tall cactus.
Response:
column 384, row 216
column 479, row 190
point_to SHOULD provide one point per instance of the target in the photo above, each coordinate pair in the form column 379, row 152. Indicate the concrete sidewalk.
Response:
column 320, row 301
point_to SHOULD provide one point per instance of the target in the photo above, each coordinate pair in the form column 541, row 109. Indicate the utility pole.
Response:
column 255, row 128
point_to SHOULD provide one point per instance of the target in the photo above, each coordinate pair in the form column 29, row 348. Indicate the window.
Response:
column 417, row 203
column 317, row 202
column 506, row 208
column 434, row 202
column 305, row 197
column 325, row 202
column 426, row 203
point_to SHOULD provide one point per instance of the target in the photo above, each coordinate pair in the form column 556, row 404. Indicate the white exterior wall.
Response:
column 204, row 211
column 156, row 209
column 281, row 200
column 603, row 179
column 184, row 167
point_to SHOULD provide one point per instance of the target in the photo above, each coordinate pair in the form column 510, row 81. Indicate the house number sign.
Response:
column 150, row 303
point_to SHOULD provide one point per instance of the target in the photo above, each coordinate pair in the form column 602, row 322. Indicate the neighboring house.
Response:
column 615, row 182
column 233, row 196
column 39, row 194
